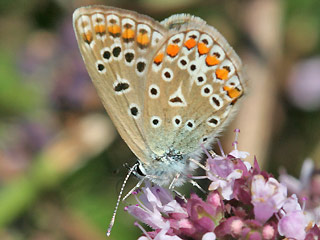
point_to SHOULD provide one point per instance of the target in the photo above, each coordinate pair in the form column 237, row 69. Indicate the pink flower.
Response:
column 293, row 221
column 239, row 154
column 304, row 86
column 268, row 232
column 306, row 188
column 170, row 218
column 301, row 185
column 313, row 233
column 200, row 212
column 209, row 236
column 232, row 226
column 223, row 172
column 292, row 225
column 246, row 203
column 162, row 235
column 291, row 204
column 154, row 202
column 268, row 196
column 236, row 228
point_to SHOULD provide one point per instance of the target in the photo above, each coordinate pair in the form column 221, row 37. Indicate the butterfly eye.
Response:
column 140, row 170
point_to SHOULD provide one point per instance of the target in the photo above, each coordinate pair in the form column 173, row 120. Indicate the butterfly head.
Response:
column 139, row 170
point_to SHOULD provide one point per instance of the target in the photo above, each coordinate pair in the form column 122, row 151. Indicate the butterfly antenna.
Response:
column 119, row 199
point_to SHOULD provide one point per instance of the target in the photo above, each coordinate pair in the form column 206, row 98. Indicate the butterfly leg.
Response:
column 198, row 164
column 180, row 195
column 204, row 168
column 195, row 184
column 172, row 186
column 133, row 189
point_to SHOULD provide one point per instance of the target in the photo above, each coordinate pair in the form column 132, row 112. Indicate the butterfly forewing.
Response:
column 117, row 47
column 193, row 84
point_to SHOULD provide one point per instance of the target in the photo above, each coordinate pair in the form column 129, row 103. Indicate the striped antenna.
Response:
column 119, row 199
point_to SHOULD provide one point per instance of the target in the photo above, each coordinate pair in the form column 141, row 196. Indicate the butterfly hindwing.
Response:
column 198, row 79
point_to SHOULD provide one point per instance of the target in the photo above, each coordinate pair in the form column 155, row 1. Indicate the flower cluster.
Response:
column 243, row 202
column 306, row 188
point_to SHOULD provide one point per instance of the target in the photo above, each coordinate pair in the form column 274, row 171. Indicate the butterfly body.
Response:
column 162, row 169
column 169, row 87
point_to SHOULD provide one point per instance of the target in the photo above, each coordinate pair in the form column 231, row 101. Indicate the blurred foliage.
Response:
column 16, row 97
column 45, row 91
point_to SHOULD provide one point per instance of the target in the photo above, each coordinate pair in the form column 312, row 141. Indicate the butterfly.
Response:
column 169, row 87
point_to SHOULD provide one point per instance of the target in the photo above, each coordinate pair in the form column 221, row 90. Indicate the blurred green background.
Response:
column 61, row 161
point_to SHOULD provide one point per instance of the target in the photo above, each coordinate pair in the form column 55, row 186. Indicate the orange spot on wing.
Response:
column 222, row 73
column 158, row 59
column 87, row 37
column 212, row 60
column 143, row 38
column 128, row 33
column 114, row 29
column 226, row 88
column 232, row 92
column 202, row 48
column 190, row 43
column 172, row 50
column 100, row 29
